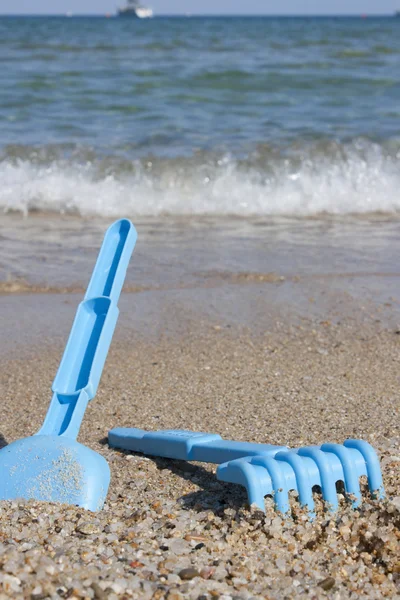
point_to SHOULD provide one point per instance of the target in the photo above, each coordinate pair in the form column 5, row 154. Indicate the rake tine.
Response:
column 303, row 482
column 328, row 483
column 281, row 497
column 351, row 482
column 375, row 481
column 245, row 474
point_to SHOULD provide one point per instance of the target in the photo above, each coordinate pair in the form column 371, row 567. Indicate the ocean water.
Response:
column 200, row 116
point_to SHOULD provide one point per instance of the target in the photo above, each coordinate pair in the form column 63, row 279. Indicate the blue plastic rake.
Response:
column 264, row 469
column 52, row 465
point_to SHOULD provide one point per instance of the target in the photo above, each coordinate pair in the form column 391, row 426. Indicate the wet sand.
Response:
column 263, row 355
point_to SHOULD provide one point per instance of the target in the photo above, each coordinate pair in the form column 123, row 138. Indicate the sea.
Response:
column 258, row 158
column 200, row 116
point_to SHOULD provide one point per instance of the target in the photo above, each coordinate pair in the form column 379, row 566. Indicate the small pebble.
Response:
column 88, row 528
column 188, row 574
column 327, row 584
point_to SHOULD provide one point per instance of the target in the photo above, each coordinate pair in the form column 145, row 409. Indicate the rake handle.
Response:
column 187, row 445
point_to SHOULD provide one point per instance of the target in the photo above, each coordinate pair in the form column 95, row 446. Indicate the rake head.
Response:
column 303, row 469
column 267, row 470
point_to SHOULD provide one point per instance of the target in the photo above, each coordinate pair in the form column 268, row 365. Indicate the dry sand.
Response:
column 281, row 332
column 169, row 529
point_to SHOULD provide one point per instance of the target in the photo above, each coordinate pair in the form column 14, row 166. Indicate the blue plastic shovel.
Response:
column 264, row 469
column 52, row 465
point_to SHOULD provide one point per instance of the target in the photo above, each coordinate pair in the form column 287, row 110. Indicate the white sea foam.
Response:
column 349, row 181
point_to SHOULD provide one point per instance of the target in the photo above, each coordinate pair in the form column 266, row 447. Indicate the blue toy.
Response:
column 264, row 469
column 52, row 465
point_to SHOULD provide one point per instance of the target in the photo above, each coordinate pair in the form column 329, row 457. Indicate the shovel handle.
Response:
column 109, row 272
column 82, row 364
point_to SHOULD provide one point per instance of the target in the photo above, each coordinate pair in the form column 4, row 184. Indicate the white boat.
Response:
column 134, row 10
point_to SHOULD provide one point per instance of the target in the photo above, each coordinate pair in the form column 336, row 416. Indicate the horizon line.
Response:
column 105, row 14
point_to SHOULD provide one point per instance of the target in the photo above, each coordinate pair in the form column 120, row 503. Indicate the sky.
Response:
column 204, row 6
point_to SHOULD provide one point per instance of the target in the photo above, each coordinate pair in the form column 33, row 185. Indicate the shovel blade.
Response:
column 54, row 469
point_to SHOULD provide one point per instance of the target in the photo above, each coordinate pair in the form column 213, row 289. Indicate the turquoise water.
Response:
column 250, row 116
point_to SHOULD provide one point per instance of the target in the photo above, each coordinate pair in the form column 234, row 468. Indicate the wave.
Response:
column 355, row 178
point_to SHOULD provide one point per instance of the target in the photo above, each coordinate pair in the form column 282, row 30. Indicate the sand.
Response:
column 169, row 528
column 289, row 338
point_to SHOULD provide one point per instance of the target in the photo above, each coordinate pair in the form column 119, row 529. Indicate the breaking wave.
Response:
column 359, row 177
